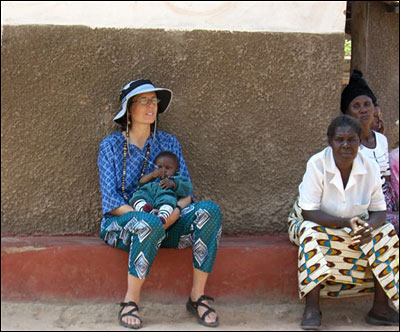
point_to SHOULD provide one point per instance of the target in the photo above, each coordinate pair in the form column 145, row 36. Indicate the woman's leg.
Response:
column 199, row 285
column 312, row 299
column 200, row 227
column 132, row 294
column 381, row 313
column 392, row 215
column 381, row 303
column 140, row 234
column 383, row 258
column 312, row 314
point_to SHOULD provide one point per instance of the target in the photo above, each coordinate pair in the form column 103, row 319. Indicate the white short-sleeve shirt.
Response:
column 322, row 186
column 380, row 154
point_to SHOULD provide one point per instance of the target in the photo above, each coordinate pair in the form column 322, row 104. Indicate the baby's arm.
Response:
column 183, row 186
column 150, row 176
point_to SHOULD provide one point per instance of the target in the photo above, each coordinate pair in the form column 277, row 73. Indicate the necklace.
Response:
column 124, row 168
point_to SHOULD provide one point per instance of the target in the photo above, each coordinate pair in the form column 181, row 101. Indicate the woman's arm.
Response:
column 183, row 202
column 361, row 229
column 376, row 219
column 325, row 219
column 122, row 210
column 111, row 198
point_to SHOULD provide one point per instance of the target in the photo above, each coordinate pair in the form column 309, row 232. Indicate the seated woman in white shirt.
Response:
column 345, row 246
column 358, row 101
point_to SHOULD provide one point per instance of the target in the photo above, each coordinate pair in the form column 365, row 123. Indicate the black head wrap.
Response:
column 357, row 87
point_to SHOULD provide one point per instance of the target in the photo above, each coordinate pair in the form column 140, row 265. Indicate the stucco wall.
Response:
column 249, row 110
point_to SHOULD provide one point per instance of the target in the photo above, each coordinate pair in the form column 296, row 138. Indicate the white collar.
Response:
column 358, row 168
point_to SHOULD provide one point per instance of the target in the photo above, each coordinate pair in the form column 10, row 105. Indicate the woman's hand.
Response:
column 184, row 202
column 173, row 217
column 362, row 231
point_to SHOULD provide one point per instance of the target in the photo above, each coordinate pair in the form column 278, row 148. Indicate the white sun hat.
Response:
column 140, row 86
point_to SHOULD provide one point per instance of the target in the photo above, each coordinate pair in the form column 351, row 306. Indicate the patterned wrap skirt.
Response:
column 327, row 257
column 142, row 234
column 392, row 213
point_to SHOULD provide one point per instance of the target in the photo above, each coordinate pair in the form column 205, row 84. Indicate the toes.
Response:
column 130, row 320
column 211, row 318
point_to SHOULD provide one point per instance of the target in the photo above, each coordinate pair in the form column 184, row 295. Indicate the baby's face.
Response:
column 167, row 165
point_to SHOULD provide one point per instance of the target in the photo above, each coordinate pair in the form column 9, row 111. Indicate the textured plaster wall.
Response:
column 249, row 110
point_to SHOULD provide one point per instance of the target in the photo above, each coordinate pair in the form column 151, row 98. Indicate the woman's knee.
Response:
column 147, row 226
column 209, row 211
column 155, row 224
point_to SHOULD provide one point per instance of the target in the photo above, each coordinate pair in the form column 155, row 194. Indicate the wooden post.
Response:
column 359, row 36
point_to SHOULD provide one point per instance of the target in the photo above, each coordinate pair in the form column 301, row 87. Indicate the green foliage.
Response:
column 347, row 47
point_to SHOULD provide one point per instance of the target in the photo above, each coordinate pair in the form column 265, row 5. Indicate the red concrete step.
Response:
column 68, row 268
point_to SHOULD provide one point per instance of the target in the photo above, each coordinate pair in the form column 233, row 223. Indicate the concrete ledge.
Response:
column 69, row 268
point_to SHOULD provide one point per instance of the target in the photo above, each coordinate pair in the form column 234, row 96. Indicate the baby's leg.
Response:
column 164, row 212
column 142, row 205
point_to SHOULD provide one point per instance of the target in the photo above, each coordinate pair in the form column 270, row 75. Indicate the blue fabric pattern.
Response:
column 110, row 164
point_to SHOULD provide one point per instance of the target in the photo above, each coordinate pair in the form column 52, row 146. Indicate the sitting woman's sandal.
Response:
column 130, row 313
column 192, row 307
column 311, row 319
column 391, row 319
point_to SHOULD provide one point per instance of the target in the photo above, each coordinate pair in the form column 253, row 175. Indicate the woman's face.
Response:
column 144, row 108
column 345, row 143
column 362, row 108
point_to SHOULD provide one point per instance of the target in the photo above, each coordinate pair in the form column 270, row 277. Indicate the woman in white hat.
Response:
column 124, row 157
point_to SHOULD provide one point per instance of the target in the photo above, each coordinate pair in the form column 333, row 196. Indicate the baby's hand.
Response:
column 157, row 172
column 167, row 184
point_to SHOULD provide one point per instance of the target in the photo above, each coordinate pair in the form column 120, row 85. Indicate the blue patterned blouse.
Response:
column 110, row 163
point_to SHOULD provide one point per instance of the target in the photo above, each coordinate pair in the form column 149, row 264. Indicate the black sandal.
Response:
column 311, row 320
column 192, row 307
column 392, row 319
column 130, row 313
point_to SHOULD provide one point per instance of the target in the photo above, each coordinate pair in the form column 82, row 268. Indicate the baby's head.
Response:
column 168, row 162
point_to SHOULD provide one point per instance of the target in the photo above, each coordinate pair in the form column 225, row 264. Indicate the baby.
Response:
column 161, row 188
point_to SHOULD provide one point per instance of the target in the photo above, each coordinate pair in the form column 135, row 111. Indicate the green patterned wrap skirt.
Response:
column 142, row 234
